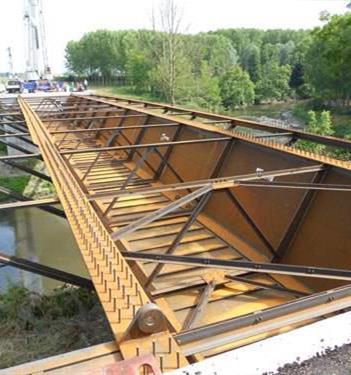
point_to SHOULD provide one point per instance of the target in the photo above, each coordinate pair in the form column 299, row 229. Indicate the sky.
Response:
column 69, row 19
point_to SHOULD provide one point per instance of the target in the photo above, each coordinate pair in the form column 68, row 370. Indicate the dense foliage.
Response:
column 226, row 68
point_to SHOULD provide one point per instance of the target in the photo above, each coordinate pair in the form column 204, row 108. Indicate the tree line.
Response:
column 226, row 68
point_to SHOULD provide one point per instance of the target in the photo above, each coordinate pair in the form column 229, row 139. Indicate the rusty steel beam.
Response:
column 22, row 198
column 296, row 185
column 18, row 157
column 233, row 330
column 144, row 145
column 248, row 266
column 121, row 294
column 217, row 183
column 97, row 130
column 199, row 310
column 50, row 272
column 69, row 119
column 28, row 203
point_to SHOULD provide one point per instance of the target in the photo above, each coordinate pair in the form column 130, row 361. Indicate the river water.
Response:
column 39, row 236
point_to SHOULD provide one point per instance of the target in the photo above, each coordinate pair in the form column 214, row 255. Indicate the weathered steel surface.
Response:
column 138, row 175
column 119, row 290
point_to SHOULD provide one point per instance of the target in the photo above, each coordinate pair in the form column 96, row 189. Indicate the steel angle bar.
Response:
column 217, row 183
column 17, row 147
column 296, row 185
column 144, row 145
column 68, row 119
column 259, row 267
column 197, row 313
column 131, row 127
column 160, row 213
column 23, row 198
column 29, row 203
column 46, row 271
column 218, row 334
column 27, row 169
column 18, row 157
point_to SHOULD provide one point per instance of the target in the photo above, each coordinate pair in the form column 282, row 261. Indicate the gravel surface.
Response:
column 334, row 362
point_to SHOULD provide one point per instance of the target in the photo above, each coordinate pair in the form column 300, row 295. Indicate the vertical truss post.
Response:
column 199, row 207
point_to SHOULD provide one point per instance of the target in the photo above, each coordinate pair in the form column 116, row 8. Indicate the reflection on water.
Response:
column 41, row 237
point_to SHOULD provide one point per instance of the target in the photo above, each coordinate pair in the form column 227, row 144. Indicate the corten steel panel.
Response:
column 222, row 210
column 196, row 161
column 324, row 236
column 271, row 209
column 154, row 136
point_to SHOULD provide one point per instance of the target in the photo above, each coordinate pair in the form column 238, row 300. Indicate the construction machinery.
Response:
column 36, row 53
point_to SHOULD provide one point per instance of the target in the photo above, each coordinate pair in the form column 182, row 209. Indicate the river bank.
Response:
column 35, row 326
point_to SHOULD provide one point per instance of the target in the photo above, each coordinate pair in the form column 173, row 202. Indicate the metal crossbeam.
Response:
column 217, row 183
column 296, row 185
column 145, row 145
column 29, row 203
column 27, row 169
column 122, row 128
column 69, row 119
column 18, row 157
column 46, row 271
column 259, row 267
column 22, row 198
column 303, row 309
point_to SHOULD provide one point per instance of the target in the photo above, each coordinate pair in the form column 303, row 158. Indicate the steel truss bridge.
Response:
column 200, row 232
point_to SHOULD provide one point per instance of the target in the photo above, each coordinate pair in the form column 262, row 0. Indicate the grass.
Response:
column 341, row 117
column 34, row 326
column 14, row 183
column 125, row 91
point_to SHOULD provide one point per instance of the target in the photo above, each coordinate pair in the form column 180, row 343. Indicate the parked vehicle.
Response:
column 44, row 85
column 29, row 86
column 13, row 86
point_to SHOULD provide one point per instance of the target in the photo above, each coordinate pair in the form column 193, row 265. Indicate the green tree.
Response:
column 321, row 126
column 206, row 91
column 328, row 61
column 236, row 88
column 274, row 84
column 251, row 61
